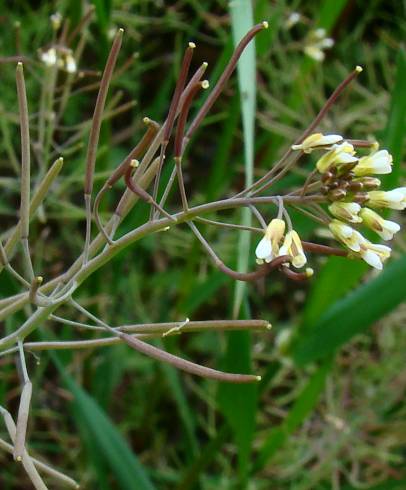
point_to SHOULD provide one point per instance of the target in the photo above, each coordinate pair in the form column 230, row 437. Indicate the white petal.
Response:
column 299, row 261
column 264, row 249
column 372, row 259
column 329, row 139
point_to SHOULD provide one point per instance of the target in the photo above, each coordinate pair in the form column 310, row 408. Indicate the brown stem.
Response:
column 136, row 152
column 143, row 194
column 323, row 249
column 239, row 276
column 173, row 108
column 322, row 113
column 184, row 365
column 294, row 276
column 82, row 24
column 211, row 99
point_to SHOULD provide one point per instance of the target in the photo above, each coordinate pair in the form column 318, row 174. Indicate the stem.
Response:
column 239, row 276
column 173, row 109
column 323, row 111
column 95, row 133
column 218, row 88
column 23, row 409
column 25, row 165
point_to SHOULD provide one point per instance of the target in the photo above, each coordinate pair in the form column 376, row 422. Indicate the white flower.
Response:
column 338, row 155
column 379, row 162
column 374, row 254
column 314, row 52
column 394, row 199
column 347, row 235
column 49, row 57
column 56, row 20
column 347, row 211
column 292, row 246
column 293, row 19
column 70, row 63
column 316, row 141
column 385, row 228
column 268, row 248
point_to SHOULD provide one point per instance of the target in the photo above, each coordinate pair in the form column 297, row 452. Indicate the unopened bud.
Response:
column 337, row 194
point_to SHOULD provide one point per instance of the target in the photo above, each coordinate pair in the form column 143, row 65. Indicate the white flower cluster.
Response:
column 350, row 186
column 317, row 43
column 62, row 58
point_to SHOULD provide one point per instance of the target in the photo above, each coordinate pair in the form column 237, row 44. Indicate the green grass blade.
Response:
column 239, row 403
column 242, row 20
column 124, row 465
column 353, row 314
column 395, row 128
column 303, row 406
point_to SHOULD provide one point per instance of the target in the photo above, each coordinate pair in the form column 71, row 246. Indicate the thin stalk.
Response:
column 164, row 328
column 178, row 362
column 48, row 470
column 25, row 166
column 219, row 87
column 38, row 197
column 27, row 462
column 229, row 225
column 23, row 409
column 316, row 121
column 119, row 172
column 170, row 119
column 141, row 193
column 94, row 136
column 238, row 276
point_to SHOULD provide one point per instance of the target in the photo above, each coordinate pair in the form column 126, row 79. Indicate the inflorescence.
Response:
column 350, row 188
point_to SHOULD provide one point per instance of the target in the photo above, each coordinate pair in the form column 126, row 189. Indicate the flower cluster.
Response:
column 348, row 183
column 276, row 243
column 60, row 57
column 316, row 43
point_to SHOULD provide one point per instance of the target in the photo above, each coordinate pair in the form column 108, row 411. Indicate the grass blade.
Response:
column 239, row 403
column 303, row 406
column 353, row 314
column 126, row 468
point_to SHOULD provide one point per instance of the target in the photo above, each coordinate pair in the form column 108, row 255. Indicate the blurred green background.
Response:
column 330, row 411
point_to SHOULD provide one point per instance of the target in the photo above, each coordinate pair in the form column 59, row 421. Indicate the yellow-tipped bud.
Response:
column 309, row 272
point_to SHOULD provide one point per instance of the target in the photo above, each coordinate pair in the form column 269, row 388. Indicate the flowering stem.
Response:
column 327, row 106
column 239, row 276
